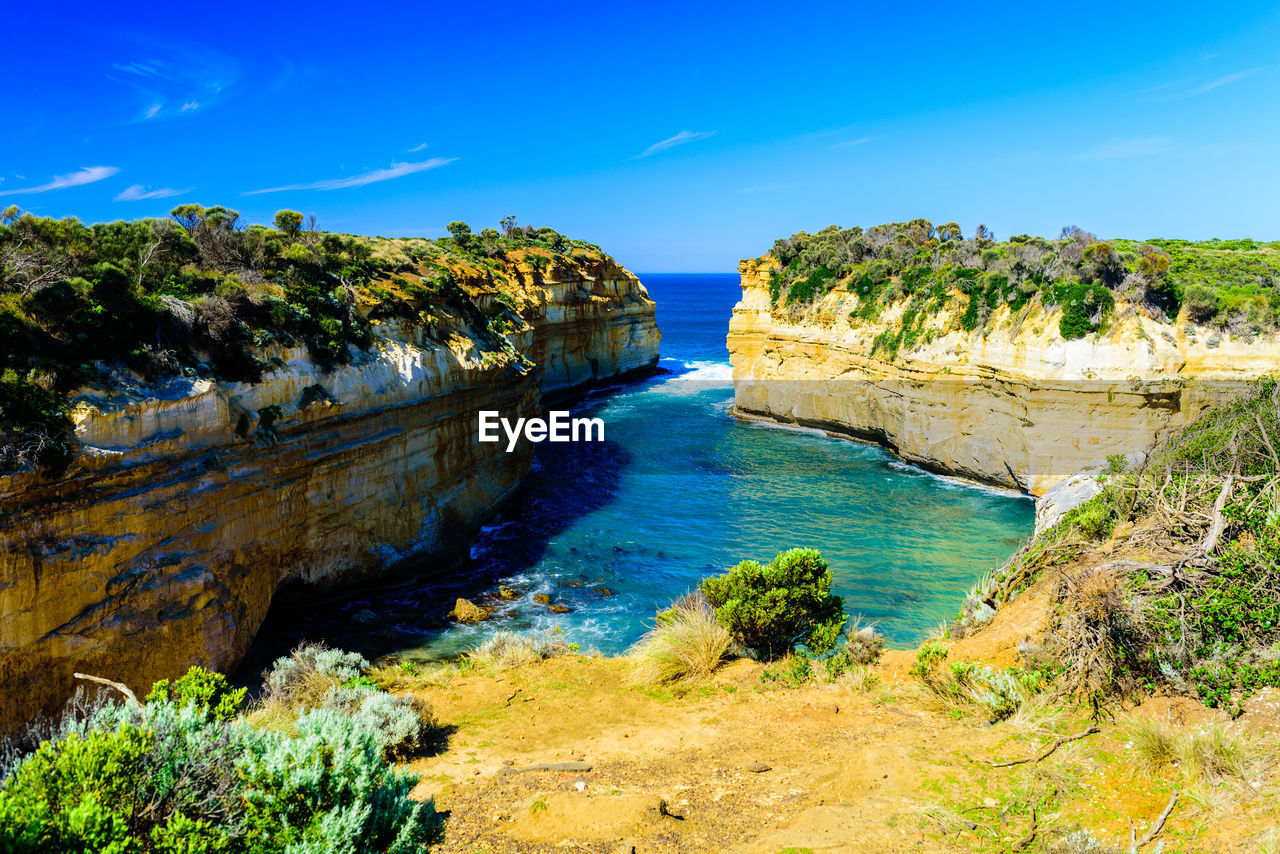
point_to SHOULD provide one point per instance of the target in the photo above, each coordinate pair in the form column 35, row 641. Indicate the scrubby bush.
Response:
column 404, row 725
column 166, row 778
column 1203, row 619
column 686, row 642
column 315, row 677
column 206, row 691
column 997, row 693
column 305, row 675
column 772, row 609
column 863, row 645
column 506, row 649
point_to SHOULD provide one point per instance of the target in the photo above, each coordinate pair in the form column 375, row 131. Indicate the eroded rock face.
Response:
column 195, row 501
column 1017, row 407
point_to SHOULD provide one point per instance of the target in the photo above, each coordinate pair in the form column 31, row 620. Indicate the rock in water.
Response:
column 542, row 599
column 507, row 593
column 465, row 611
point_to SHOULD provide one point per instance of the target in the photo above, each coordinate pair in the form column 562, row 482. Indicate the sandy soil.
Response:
column 567, row 754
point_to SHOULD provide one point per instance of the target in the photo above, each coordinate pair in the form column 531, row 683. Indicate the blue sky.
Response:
column 679, row 136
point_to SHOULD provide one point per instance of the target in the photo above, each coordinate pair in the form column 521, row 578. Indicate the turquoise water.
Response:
column 681, row 489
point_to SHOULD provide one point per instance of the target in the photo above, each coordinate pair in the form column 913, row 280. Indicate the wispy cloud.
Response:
column 138, row 193
column 173, row 80
column 1114, row 149
column 151, row 68
column 87, row 175
column 395, row 170
column 1162, row 86
column 1224, row 80
column 422, row 146
column 672, row 141
column 852, row 142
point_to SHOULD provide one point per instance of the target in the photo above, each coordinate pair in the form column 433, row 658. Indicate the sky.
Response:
column 681, row 137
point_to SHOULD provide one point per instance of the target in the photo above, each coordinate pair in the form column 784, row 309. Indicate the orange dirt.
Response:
column 737, row 765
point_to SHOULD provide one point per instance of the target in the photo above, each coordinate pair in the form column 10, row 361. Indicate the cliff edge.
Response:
column 999, row 395
column 191, row 499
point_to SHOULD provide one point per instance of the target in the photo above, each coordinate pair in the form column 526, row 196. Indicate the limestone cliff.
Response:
column 1014, row 404
column 193, row 501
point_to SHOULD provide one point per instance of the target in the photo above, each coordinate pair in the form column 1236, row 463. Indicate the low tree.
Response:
column 289, row 222
column 461, row 233
column 772, row 609
column 1101, row 260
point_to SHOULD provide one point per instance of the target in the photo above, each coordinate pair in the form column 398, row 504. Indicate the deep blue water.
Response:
column 681, row 489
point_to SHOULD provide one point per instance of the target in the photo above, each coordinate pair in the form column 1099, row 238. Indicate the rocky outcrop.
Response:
column 1013, row 405
column 193, row 502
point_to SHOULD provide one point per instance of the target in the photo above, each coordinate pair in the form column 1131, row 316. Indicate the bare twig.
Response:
column 1155, row 828
column 1026, row 841
column 1219, row 520
column 119, row 686
column 1066, row 738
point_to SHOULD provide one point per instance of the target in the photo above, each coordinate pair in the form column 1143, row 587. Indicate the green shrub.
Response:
column 165, row 778
column 772, row 609
column 928, row 657
column 205, row 690
column 1095, row 519
column 1080, row 302
column 796, row 671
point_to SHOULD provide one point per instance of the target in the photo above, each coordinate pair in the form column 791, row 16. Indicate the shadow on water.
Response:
column 377, row 620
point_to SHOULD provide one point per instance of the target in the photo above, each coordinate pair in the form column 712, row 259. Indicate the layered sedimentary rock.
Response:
column 193, row 501
column 1013, row 404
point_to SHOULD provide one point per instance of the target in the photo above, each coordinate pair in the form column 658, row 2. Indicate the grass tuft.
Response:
column 686, row 643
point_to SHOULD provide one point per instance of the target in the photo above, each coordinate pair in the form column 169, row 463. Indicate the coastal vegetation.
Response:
column 203, row 294
column 306, row 768
column 1188, row 597
column 1232, row 285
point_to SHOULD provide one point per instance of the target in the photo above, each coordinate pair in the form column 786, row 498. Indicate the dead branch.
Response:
column 1093, row 730
column 119, row 686
column 1219, row 520
column 1155, row 828
column 1026, row 841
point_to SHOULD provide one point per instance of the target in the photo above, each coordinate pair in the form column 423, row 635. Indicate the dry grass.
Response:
column 1268, row 842
column 1155, row 747
column 505, row 650
column 686, row 643
column 859, row 680
column 1206, row 756
column 401, row 676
